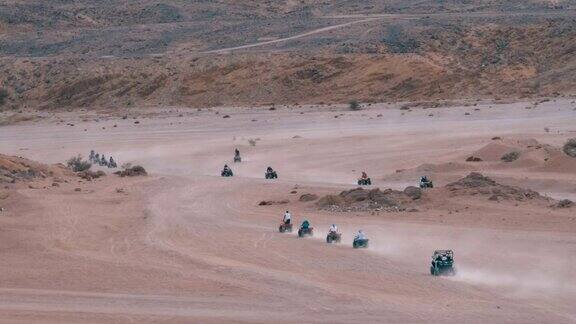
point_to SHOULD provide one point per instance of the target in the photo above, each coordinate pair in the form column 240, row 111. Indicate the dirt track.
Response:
column 380, row 17
column 187, row 245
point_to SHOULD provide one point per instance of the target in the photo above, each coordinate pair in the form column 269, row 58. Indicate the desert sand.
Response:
column 185, row 245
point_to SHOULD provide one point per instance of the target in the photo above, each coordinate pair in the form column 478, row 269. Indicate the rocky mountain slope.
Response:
column 118, row 53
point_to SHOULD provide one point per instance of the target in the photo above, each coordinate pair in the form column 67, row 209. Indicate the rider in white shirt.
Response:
column 360, row 236
column 333, row 228
column 287, row 217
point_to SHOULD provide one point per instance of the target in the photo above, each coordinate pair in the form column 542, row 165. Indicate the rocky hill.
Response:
column 62, row 54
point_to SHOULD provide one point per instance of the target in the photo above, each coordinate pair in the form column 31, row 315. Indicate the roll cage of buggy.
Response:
column 442, row 263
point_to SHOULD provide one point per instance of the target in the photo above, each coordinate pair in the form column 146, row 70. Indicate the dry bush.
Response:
column 76, row 164
column 354, row 105
column 3, row 96
column 510, row 156
column 570, row 147
column 89, row 175
column 132, row 171
column 308, row 197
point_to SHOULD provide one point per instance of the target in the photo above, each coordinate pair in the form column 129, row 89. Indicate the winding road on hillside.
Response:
column 367, row 18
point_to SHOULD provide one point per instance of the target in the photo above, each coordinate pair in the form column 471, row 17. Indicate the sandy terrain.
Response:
column 185, row 245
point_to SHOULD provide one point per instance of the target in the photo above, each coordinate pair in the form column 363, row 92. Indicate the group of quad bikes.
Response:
column 227, row 172
column 331, row 237
column 442, row 263
column 271, row 174
column 101, row 160
column 424, row 181
column 442, row 260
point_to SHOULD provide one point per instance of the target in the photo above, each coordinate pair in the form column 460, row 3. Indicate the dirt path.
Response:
column 285, row 39
column 375, row 17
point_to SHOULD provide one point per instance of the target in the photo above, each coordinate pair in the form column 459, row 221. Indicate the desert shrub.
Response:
column 77, row 164
column 308, row 197
column 3, row 96
column 354, row 105
column 132, row 171
column 564, row 203
column 252, row 142
column 570, row 147
column 510, row 156
column 89, row 175
column 398, row 41
column 501, row 44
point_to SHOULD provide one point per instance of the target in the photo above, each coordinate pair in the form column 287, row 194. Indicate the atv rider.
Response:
column 92, row 155
column 236, row 152
column 112, row 163
column 305, row 224
column 424, row 179
column 364, row 175
column 360, row 236
column 269, row 170
column 226, row 168
column 103, row 161
column 287, row 218
column 333, row 229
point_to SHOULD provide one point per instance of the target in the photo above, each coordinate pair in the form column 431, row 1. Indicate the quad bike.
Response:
column 227, row 173
column 285, row 228
column 309, row 231
column 360, row 243
column 443, row 263
column 237, row 159
column 333, row 237
column 364, row 182
column 426, row 183
column 271, row 175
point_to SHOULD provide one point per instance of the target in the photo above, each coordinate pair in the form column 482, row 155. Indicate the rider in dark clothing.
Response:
column 236, row 152
column 269, row 170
